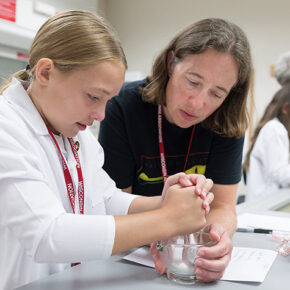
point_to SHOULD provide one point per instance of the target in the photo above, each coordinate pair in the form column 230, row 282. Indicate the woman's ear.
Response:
column 43, row 71
column 286, row 109
column 170, row 61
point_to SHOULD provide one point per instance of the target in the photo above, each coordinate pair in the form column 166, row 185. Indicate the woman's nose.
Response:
column 198, row 99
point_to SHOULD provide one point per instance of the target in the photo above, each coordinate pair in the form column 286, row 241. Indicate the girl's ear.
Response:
column 170, row 62
column 43, row 71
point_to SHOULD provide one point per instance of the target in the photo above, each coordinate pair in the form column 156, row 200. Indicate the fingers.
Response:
column 202, row 188
column 153, row 249
column 210, row 270
column 160, row 268
column 215, row 231
column 224, row 244
column 202, row 184
column 177, row 178
column 184, row 180
column 222, row 248
column 214, row 265
column 212, row 261
column 174, row 179
column 208, row 200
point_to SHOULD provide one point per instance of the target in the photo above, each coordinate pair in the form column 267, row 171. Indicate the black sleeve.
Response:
column 119, row 162
column 225, row 160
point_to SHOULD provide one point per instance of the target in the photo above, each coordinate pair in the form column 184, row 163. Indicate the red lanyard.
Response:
column 161, row 145
column 68, row 178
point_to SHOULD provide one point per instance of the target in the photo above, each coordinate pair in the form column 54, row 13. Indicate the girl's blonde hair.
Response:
column 231, row 118
column 72, row 39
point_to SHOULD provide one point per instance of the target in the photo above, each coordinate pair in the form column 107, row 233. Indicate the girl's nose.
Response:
column 98, row 114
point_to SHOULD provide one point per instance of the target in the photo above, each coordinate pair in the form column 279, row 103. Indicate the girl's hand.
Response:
column 201, row 183
column 202, row 189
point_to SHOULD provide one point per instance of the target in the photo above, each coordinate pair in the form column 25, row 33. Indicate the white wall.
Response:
column 90, row 5
column 17, row 37
column 27, row 16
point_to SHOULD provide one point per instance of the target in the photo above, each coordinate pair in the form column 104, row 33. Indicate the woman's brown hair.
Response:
column 231, row 118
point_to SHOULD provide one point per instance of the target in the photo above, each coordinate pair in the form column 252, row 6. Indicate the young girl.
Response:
column 57, row 205
column 267, row 161
column 188, row 116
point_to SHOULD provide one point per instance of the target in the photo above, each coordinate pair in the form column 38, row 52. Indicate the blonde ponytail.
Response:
column 72, row 39
column 21, row 75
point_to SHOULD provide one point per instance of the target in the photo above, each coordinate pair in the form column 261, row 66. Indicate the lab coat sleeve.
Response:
column 274, row 141
column 94, row 233
column 104, row 188
column 278, row 153
column 117, row 202
column 77, row 238
column 35, row 215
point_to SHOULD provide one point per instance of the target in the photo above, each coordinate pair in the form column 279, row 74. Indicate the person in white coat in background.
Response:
column 57, row 204
column 267, row 161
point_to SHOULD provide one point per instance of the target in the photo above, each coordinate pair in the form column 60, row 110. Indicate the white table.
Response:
column 118, row 274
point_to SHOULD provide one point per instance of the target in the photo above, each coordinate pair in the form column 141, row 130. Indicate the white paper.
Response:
column 248, row 220
column 141, row 256
column 247, row 264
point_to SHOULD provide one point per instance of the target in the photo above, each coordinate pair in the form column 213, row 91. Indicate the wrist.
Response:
column 169, row 222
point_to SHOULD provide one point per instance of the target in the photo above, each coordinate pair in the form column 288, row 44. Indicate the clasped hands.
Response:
column 212, row 262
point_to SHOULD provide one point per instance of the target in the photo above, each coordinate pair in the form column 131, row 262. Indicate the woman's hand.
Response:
column 212, row 261
column 159, row 267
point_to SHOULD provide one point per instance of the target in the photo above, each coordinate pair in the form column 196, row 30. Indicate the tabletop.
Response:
column 117, row 273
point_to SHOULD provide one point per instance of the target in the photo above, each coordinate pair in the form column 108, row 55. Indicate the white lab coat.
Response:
column 39, row 235
column 269, row 162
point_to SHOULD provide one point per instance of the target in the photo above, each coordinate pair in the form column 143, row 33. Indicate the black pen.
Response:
column 254, row 230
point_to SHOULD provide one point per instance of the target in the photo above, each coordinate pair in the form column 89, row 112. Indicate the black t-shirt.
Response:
column 129, row 136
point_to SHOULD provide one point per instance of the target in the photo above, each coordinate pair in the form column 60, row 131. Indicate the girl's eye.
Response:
column 93, row 98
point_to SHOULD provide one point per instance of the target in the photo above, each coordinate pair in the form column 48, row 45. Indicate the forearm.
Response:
column 136, row 230
column 144, row 203
column 224, row 215
column 181, row 213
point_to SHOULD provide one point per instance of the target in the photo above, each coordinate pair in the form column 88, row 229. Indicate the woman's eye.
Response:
column 193, row 83
column 217, row 95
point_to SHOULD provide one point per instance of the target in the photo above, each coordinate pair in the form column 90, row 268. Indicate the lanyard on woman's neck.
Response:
column 68, row 178
column 161, row 145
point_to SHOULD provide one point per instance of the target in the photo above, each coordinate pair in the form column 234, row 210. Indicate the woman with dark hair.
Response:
column 267, row 161
column 188, row 116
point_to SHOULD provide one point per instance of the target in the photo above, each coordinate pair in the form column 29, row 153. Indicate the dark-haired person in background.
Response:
column 267, row 161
